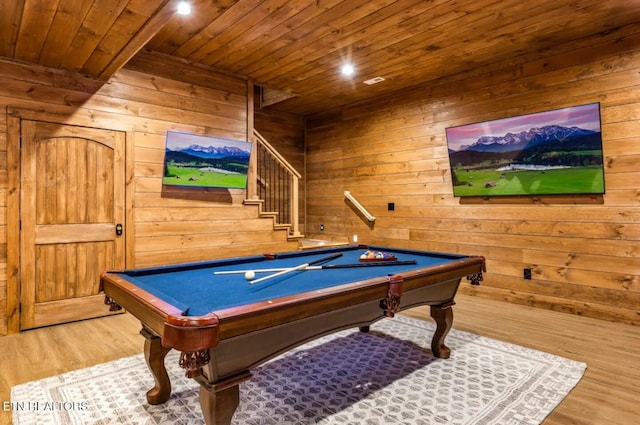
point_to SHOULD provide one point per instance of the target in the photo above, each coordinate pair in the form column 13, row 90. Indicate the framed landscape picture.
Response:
column 194, row 161
column 546, row 153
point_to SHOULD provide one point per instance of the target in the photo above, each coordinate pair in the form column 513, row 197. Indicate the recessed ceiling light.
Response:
column 184, row 8
column 347, row 70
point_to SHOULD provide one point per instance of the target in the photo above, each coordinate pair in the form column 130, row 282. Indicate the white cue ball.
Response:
column 250, row 275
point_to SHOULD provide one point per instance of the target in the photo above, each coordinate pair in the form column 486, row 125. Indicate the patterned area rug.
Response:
column 387, row 376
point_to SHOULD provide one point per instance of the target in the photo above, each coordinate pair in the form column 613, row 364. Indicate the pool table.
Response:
column 225, row 325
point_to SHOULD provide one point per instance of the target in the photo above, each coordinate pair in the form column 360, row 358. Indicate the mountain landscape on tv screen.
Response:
column 551, row 159
column 206, row 166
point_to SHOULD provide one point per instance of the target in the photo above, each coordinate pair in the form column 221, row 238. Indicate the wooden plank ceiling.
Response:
column 297, row 46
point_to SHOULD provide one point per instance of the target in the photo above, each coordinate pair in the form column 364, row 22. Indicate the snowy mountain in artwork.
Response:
column 532, row 138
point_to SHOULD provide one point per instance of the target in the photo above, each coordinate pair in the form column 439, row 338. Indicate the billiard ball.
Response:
column 250, row 275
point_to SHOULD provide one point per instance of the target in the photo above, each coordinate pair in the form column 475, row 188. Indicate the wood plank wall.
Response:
column 152, row 95
column 584, row 252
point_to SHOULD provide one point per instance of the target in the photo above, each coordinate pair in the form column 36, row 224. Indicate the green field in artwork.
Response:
column 203, row 177
column 490, row 182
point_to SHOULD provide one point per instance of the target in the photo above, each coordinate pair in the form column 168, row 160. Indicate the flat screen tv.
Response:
column 546, row 153
column 194, row 161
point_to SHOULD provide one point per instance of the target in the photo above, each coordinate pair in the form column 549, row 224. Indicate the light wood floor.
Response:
column 609, row 393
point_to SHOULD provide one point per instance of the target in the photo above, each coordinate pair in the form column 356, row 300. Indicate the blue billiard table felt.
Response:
column 196, row 290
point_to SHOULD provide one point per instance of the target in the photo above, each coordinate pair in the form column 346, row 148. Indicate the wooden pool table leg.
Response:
column 218, row 407
column 154, row 354
column 220, row 400
column 443, row 315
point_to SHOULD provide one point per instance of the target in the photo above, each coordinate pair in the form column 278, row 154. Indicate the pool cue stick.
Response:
column 369, row 264
column 327, row 266
column 296, row 268
column 277, row 269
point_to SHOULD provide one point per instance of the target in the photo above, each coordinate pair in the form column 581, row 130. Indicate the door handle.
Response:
column 118, row 229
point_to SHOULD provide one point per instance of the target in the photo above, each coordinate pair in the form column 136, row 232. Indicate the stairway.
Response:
column 274, row 187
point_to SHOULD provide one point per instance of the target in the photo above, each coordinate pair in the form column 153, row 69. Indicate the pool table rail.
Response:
column 197, row 333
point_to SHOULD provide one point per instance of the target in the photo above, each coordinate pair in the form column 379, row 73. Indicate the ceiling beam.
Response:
column 138, row 41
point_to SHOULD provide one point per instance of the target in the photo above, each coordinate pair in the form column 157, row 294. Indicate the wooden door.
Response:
column 72, row 199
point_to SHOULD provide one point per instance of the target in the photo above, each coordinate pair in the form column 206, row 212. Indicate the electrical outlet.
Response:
column 391, row 206
column 526, row 274
column 322, row 227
